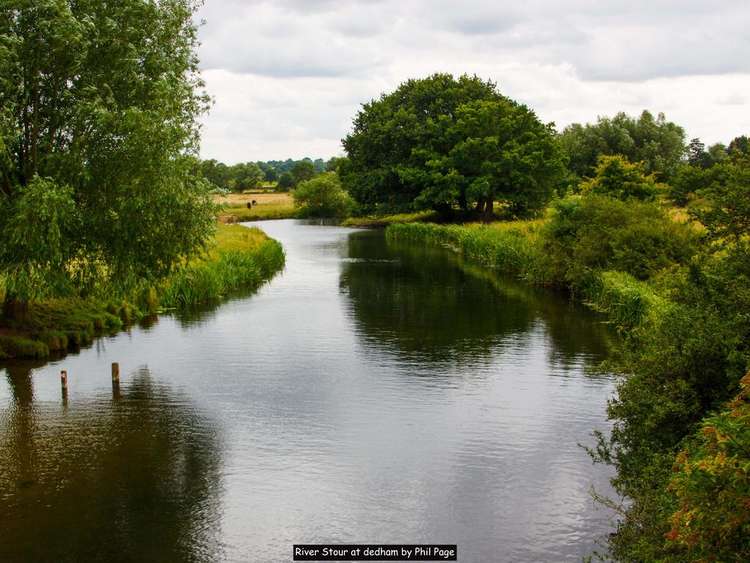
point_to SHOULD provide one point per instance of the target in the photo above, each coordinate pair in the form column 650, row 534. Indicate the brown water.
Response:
column 370, row 393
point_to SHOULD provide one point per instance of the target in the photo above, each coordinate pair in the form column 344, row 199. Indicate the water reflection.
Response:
column 369, row 393
column 128, row 476
column 433, row 307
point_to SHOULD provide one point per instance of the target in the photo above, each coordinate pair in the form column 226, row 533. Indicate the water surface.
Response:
column 370, row 393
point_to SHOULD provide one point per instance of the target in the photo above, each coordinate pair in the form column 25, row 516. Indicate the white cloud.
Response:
column 288, row 75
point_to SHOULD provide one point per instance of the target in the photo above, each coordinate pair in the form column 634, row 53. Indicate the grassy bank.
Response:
column 517, row 248
column 237, row 259
column 385, row 220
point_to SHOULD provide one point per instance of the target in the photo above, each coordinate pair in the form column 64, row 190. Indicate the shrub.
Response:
column 712, row 487
column 618, row 178
column 596, row 232
column 322, row 196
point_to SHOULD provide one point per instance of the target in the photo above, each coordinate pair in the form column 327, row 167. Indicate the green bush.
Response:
column 711, row 483
column 616, row 177
column 596, row 232
column 322, row 196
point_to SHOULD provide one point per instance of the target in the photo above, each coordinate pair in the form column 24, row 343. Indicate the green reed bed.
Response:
column 518, row 249
column 237, row 259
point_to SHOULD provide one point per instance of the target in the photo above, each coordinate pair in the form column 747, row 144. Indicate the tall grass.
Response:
column 385, row 220
column 242, row 258
column 511, row 248
column 516, row 248
column 237, row 259
column 628, row 303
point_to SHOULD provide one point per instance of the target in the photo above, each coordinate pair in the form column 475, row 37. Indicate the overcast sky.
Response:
column 287, row 76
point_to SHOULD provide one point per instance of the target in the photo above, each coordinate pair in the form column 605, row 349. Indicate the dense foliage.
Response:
column 712, row 486
column 441, row 142
column 658, row 143
column 284, row 174
column 239, row 177
column 595, row 232
column 679, row 293
column 97, row 136
column 616, row 177
column 322, row 196
column 716, row 168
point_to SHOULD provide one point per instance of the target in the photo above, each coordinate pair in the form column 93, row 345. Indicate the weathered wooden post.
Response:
column 64, row 386
column 115, row 381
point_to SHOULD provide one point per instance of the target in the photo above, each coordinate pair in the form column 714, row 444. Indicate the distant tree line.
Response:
column 282, row 174
column 459, row 146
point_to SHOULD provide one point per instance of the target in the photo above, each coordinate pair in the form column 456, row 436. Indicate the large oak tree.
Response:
column 442, row 142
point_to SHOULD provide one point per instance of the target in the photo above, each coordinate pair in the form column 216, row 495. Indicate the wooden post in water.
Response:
column 64, row 386
column 115, row 381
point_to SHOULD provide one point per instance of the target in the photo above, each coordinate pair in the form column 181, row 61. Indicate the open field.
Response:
column 268, row 206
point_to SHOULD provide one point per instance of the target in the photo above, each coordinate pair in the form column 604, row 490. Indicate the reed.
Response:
column 237, row 259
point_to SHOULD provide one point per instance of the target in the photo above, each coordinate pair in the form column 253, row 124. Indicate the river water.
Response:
column 370, row 393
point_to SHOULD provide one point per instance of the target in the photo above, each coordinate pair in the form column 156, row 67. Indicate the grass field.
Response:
column 268, row 206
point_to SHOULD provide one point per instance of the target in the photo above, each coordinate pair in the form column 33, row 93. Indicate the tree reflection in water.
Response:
column 127, row 476
column 429, row 305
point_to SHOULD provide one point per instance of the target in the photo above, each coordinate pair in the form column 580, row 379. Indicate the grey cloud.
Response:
column 569, row 60
column 733, row 99
column 615, row 40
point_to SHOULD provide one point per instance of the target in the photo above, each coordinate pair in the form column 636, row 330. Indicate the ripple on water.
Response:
column 368, row 393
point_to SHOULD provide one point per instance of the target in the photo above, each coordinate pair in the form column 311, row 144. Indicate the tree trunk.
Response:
column 14, row 309
column 489, row 207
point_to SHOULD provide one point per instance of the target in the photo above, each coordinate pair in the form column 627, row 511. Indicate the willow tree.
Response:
column 98, row 135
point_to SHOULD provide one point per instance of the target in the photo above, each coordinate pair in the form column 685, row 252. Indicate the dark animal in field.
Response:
column 249, row 205
column 255, row 202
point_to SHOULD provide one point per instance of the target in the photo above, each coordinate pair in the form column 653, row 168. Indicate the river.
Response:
column 370, row 393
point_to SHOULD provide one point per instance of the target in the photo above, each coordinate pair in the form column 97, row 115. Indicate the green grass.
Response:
column 265, row 211
column 237, row 259
column 385, row 220
column 516, row 248
column 240, row 258
column 512, row 248
column 628, row 303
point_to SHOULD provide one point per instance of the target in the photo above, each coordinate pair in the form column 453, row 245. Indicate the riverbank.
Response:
column 677, row 441
column 237, row 259
column 375, row 221
column 517, row 248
